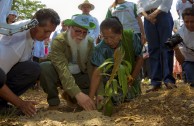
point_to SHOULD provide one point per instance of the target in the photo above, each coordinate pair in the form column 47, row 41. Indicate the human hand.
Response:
column 85, row 101
column 130, row 80
column 28, row 108
column 151, row 19
column 143, row 39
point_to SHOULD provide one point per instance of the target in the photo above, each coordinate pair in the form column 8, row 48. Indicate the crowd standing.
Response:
column 74, row 56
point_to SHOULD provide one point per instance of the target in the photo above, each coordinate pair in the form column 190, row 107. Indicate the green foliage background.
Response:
column 26, row 8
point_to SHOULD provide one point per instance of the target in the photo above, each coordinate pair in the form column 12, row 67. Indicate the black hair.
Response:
column 112, row 23
column 43, row 15
column 188, row 12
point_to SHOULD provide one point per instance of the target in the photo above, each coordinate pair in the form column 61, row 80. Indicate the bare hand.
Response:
column 85, row 101
column 28, row 108
column 99, row 99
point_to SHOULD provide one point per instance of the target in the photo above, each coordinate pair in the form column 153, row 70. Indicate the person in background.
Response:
column 127, row 14
column 11, row 17
column 184, row 52
column 86, row 7
column 5, row 7
column 158, row 25
column 62, row 29
column 113, row 36
column 180, row 6
column 70, row 65
column 177, row 68
column 17, row 71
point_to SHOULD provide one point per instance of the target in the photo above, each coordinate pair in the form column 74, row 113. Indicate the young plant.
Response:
column 118, row 80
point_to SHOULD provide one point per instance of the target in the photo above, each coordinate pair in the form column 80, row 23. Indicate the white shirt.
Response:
column 15, row 48
column 94, row 32
column 180, row 6
column 127, row 14
column 38, row 50
column 188, row 39
column 5, row 7
column 145, row 5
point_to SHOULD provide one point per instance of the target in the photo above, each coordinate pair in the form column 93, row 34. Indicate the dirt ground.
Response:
column 162, row 108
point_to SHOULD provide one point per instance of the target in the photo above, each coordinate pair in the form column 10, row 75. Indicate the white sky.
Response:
column 67, row 8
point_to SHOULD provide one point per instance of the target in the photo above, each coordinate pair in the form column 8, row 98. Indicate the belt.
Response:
column 151, row 10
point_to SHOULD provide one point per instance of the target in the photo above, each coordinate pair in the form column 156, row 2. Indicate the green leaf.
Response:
column 105, row 63
column 107, row 67
column 108, row 91
column 128, row 66
column 123, row 79
column 104, row 74
column 115, row 86
column 108, row 108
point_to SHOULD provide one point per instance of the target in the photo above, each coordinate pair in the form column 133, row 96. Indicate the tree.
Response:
column 27, row 8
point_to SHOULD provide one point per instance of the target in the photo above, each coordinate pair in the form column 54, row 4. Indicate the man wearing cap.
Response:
column 11, row 17
column 70, row 64
column 86, row 7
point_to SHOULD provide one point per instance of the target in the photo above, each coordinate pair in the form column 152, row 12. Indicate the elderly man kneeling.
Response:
column 70, row 64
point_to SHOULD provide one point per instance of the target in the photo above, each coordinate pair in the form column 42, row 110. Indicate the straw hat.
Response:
column 86, row 2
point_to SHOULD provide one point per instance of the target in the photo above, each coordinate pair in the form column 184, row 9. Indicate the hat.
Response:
column 79, row 20
column 86, row 2
column 13, row 12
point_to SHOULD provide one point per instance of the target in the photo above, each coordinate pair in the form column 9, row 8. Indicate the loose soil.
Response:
column 162, row 108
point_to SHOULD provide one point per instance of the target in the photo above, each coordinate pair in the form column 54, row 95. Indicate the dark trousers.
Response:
column 2, row 78
column 22, row 76
column 160, row 57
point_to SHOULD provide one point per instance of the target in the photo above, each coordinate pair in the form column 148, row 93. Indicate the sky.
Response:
column 67, row 8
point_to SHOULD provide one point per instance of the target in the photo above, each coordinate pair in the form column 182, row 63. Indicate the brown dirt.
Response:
column 162, row 108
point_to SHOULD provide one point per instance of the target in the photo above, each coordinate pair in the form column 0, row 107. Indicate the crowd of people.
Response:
column 82, row 45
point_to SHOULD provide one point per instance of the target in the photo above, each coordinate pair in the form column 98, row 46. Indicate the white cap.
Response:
column 13, row 12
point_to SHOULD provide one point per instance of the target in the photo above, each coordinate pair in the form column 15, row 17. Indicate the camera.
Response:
column 173, row 41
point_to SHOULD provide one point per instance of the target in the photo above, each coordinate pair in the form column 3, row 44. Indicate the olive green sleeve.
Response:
column 60, row 62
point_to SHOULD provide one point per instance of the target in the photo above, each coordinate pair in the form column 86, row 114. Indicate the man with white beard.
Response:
column 70, row 64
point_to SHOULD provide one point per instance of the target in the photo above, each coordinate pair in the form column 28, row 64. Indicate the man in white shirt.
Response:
column 15, row 56
column 185, row 51
column 158, row 25
column 86, row 7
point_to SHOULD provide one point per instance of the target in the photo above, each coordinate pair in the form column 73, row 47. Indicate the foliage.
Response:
column 27, row 8
column 120, row 69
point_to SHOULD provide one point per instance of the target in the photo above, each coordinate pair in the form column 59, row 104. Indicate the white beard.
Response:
column 82, row 47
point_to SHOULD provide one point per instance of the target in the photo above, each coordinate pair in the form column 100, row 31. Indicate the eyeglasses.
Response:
column 80, row 32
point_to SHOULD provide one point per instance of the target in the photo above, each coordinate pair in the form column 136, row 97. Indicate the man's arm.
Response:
column 179, row 56
column 27, row 107
column 143, row 36
column 137, row 67
column 95, row 82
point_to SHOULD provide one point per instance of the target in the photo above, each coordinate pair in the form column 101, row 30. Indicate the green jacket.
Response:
column 61, row 55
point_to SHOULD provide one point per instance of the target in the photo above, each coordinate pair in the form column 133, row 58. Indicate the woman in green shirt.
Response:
column 113, row 36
